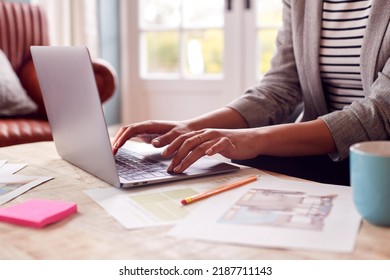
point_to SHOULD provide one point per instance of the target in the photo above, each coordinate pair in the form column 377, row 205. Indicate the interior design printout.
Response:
column 273, row 212
column 161, row 204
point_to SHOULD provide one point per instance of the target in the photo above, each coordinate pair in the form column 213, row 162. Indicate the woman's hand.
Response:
column 188, row 148
column 158, row 133
column 162, row 133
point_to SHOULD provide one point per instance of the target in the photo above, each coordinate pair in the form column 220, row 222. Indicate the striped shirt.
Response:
column 343, row 27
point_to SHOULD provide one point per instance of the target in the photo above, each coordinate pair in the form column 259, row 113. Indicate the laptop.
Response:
column 79, row 128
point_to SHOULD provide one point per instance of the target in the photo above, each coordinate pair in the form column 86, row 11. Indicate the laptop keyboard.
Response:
column 133, row 166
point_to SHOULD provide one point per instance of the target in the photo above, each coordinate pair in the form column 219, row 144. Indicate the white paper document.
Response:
column 161, row 204
column 277, row 213
column 12, row 186
column 10, row 168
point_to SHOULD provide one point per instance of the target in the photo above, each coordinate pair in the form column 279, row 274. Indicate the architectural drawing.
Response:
column 276, row 208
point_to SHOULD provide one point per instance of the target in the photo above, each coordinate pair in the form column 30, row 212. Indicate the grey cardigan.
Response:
column 294, row 79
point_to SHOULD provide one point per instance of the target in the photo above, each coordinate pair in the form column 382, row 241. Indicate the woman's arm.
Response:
column 364, row 120
column 296, row 139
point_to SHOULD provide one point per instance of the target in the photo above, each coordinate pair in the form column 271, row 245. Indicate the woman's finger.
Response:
column 189, row 146
column 224, row 146
column 121, row 137
column 177, row 143
column 191, row 157
column 165, row 139
column 144, row 128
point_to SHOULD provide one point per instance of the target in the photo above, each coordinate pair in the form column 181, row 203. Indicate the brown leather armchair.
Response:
column 23, row 25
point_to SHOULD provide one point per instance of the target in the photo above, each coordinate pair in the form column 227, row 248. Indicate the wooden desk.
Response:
column 93, row 234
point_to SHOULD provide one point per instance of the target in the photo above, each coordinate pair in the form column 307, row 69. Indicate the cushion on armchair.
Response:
column 13, row 98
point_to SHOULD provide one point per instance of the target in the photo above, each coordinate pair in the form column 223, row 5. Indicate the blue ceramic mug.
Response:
column 370, row 180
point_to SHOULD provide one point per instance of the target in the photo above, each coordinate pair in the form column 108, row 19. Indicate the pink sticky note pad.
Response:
column 37, row 212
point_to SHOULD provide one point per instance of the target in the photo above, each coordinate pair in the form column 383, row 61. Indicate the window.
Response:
column 268, row 21
column 186, row 57
column 181, row 38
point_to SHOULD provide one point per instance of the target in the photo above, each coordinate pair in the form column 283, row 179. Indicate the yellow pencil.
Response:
column 220, row 189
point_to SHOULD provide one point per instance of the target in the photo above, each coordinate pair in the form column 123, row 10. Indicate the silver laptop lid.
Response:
column 74, row 109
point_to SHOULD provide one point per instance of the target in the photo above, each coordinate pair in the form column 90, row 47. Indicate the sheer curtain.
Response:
column 72, row 23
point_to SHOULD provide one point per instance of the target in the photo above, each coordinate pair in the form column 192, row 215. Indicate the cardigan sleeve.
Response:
column 278, row 94
column 364, row 120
